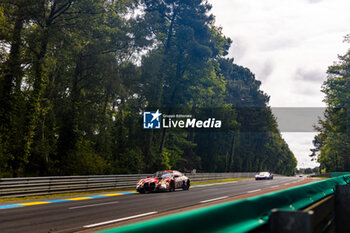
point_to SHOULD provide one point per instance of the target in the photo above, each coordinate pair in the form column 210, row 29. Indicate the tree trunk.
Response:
column 13, row 73
column 33, row 112
column 191, row 164
column 162, row 71
column 232, row 152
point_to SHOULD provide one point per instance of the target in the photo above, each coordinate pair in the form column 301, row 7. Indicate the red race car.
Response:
column 162, row 181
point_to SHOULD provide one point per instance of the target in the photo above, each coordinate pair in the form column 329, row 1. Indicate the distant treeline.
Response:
column 77, row 75
column 332, row 144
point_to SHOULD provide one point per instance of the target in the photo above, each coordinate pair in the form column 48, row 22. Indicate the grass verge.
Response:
column 217, row 181
column 320, row 177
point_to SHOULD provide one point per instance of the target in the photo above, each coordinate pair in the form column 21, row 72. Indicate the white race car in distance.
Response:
column 264, row 176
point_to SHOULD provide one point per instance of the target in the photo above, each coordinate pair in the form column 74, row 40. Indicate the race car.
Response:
column 163, row 181
column 264, row 176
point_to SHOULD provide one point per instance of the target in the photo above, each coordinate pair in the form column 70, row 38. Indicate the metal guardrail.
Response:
column 33, row 186
column 328, row 215
column 330, row 174
column 292, row 213
column 195, row 177
column 317, row 218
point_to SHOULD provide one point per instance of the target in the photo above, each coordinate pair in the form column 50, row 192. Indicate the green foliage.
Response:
column 332, row 144
column 84, row 161
column 130, row 161
column 76, row 76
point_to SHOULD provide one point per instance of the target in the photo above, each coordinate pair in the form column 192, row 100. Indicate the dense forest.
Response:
column 332, row 144
column 75, row 77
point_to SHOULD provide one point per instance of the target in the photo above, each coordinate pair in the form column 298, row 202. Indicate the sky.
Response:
column 288, row 45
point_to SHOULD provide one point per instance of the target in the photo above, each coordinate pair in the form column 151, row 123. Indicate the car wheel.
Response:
column 172, row 186
column 142, row 191
column 186, row 186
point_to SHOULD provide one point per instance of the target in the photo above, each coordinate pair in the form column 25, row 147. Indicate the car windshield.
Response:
column 263, row 173
column 162, row 174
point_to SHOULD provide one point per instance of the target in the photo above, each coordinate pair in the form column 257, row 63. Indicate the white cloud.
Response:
column 314, row 1
column 313, row 75
column 288, row 45
column 299, row 143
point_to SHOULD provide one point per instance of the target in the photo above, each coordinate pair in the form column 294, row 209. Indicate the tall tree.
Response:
column 187, row 42
column 77, row 75
column 332, row 144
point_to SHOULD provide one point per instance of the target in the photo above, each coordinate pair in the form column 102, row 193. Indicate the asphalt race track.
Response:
column 73, row 216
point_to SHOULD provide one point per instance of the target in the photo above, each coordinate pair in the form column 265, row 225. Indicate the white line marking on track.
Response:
column 253, row 191
column 120, row 219
column 275, row 186
column 286, row 183
column 85, row 206
column 214, row 199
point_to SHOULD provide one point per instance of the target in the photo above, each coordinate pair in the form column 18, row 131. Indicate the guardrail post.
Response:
column 342, row 208
column 87, row 183
column 49, row 188
column 284, row 221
